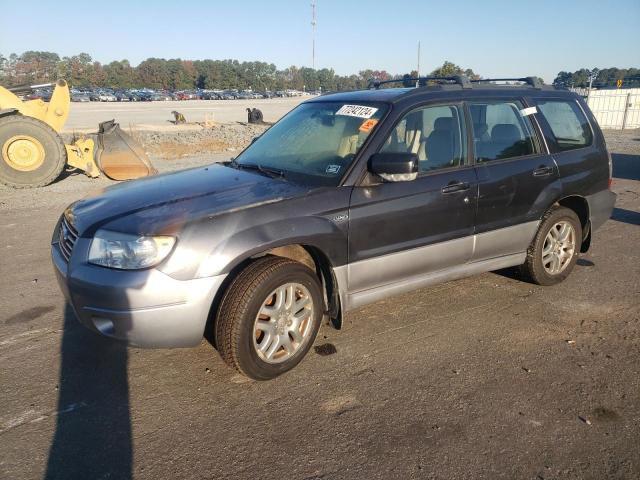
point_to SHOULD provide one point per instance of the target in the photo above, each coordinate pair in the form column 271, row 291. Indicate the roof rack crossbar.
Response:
column 535, row 82
column 421, row 81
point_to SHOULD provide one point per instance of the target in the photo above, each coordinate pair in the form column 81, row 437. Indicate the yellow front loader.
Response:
column 32, row 153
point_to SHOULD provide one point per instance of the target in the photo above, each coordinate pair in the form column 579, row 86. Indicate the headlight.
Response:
column 128, row 252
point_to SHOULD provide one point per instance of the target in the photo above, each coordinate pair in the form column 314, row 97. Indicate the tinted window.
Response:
column 434, row 134
column 500, row 131
column 567, row 122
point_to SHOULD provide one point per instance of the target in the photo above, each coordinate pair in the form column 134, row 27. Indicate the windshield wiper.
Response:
column 268, row 171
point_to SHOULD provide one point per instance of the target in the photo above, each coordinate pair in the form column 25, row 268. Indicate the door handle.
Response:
column 455, row 187
column 542, row 171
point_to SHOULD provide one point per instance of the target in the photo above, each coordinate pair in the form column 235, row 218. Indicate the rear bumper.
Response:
column 600, row 207
column 143, row 308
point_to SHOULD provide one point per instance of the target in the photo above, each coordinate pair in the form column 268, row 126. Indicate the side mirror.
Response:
column 394, row 167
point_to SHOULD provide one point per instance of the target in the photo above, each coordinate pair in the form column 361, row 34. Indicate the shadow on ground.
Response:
column 626, row 166
column 625, row 216
column 93, row 431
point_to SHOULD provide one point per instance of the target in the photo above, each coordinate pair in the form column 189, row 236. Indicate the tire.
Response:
column 546, row 243
column 46, row 161
column 238, row 338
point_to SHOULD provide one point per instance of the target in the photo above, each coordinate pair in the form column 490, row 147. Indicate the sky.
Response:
column 494, row 38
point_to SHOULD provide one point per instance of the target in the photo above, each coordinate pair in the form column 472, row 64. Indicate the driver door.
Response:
column 399, row 230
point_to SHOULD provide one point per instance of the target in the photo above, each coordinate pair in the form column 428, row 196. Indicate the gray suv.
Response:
column 348, row 199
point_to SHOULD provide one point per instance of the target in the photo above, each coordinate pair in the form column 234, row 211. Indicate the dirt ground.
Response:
column 483, row 378
column 157, row 115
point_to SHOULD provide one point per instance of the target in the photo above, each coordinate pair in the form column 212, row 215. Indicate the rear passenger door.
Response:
column 514, row 173
column 583, row 163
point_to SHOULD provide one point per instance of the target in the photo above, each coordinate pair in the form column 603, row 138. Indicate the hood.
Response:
column 162, row 204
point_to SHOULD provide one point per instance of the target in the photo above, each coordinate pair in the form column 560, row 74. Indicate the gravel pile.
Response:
column 191, row 140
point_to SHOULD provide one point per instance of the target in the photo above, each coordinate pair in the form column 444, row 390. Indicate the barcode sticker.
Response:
column 360, row 111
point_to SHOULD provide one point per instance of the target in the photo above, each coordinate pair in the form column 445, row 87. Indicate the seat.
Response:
column 481, row 132
column 439, row 146
column 506, row 140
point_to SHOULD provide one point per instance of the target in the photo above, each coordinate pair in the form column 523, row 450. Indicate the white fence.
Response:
column 615, row 109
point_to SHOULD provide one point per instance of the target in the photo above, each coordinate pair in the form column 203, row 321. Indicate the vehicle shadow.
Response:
column 626, row 166
column 93, row 431
column 625, row 216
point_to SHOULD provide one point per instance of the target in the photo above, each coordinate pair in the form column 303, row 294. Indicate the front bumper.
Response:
column 145, row 308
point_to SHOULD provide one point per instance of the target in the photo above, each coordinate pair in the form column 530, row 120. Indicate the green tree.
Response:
column 120, row 75
column 449, row 69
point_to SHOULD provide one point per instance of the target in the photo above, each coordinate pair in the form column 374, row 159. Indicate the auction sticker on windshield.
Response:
column 359, row 111
column 367, row 125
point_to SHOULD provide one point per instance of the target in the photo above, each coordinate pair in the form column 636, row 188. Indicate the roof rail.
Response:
column 535, row 82
column 408, row 81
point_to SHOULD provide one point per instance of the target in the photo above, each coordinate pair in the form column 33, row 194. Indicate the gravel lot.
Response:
column 483, row 378
column 153, row 115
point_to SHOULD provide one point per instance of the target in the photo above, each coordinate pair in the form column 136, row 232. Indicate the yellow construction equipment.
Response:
column 32, row 153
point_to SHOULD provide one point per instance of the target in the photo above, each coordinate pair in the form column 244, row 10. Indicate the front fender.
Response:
column 319, row 232
column 218, row 244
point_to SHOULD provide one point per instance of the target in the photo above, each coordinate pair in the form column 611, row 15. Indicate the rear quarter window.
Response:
column 568, row 123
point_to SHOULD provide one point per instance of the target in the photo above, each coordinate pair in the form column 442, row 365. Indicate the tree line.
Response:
column 599, row 78
column 81, row 71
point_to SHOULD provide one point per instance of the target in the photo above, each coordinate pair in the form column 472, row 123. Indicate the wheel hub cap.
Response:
column 284, row 323
column 559, row 247
column 23, row 153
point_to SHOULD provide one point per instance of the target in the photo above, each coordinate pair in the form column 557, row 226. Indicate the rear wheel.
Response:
column 555, row 248
column 269, row 317
column 31, row 152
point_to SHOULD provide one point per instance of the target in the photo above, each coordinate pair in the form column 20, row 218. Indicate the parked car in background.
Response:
column 80, row 97
column 143, row 96
column 229, row 95
column 102, row 96
column 211, row 96
column 40, row 94
column 161, row 97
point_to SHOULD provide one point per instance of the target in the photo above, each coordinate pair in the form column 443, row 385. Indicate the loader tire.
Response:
column 31, row 152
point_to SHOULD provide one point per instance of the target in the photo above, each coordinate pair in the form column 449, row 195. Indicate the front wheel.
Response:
column 555, row 248
column 269, row 317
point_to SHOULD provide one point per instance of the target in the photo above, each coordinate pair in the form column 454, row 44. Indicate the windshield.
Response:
column 316, row 142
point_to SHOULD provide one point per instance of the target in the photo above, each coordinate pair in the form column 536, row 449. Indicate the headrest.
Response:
column 480, row 128
column 414, row 121
column 505, row 132
column 443, row 123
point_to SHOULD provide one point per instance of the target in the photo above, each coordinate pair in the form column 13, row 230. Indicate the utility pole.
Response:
column 313, row 34
column 418, row 70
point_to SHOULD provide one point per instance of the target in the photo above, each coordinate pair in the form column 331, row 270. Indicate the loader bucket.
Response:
column 119, row 156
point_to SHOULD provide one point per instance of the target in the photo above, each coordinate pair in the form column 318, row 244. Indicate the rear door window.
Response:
column 568, row 123
column 500, row 130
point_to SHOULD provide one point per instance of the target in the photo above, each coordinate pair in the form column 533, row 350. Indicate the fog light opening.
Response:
column 104, row 325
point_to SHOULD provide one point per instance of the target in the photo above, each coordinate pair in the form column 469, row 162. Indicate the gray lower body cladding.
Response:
column 377, row 278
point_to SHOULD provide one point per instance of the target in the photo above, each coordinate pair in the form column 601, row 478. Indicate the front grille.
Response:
column 67, row 238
